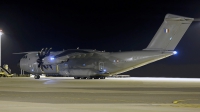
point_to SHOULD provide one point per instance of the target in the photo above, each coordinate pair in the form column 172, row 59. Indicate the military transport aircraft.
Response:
column 92, row 64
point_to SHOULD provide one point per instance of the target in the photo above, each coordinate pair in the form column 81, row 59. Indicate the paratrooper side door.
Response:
column 101, row 66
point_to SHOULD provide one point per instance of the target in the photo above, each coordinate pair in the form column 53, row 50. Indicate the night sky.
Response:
column 104, row 25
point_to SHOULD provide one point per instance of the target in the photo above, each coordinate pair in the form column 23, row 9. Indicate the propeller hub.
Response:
column 42, row 54
column 39, row 61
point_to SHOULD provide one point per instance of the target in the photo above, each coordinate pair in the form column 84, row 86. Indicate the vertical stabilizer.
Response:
column 170, row 33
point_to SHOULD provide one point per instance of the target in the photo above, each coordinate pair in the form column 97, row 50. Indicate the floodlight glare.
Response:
column 175, row 52
column 52, row 58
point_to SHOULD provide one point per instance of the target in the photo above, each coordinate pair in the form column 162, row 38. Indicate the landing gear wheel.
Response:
column 89, row 77
column 96, row 77
column 37, row 76
column 102, row 77
column 76, row 77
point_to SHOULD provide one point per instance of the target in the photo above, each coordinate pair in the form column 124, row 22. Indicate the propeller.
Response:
column 42, row 54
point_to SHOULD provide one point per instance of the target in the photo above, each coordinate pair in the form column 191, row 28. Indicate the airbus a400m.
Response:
column 92, row 64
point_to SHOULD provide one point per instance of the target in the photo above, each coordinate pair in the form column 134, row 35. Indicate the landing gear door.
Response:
column 101, row 66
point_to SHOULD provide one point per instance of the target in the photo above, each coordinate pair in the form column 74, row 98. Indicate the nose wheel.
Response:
column 37, row 76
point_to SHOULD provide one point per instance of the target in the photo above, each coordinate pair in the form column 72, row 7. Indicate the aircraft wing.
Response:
column 25, row 52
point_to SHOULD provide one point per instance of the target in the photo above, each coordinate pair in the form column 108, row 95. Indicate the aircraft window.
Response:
column 25, row 56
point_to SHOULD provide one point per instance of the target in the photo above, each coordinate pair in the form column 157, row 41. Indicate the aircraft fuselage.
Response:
column 81, row 63
column 92, row 63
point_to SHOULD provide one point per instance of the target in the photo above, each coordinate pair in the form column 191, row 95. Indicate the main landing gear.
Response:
column 37, row 76
column 91, row 77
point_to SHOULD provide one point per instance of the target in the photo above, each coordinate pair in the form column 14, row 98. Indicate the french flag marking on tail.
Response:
column 166, row 30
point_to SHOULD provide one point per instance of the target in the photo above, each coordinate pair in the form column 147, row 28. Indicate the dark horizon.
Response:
column 105, row 25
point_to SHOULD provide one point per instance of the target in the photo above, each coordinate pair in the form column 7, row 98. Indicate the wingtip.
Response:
column 196, row 19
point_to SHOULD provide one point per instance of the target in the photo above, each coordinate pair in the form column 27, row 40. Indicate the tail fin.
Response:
column 170, row 32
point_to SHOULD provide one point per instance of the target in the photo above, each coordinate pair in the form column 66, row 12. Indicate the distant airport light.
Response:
column 52, row 58
column 175, row 52
column 104, row 70
column 1, row 32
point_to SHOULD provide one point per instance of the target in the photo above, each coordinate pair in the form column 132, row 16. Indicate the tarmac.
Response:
column 63, row 94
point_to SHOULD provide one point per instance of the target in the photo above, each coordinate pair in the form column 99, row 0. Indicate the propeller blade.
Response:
column 44, row 66
column 39, row 65
column 48, row 52
column 51, row 67
column 39, row 54
column 42, row 52
column 42, row 69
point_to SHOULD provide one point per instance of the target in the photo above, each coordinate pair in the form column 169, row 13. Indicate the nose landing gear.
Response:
column 37, row 76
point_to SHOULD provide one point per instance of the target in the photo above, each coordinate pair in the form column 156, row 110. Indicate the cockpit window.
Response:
column 25, row 56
